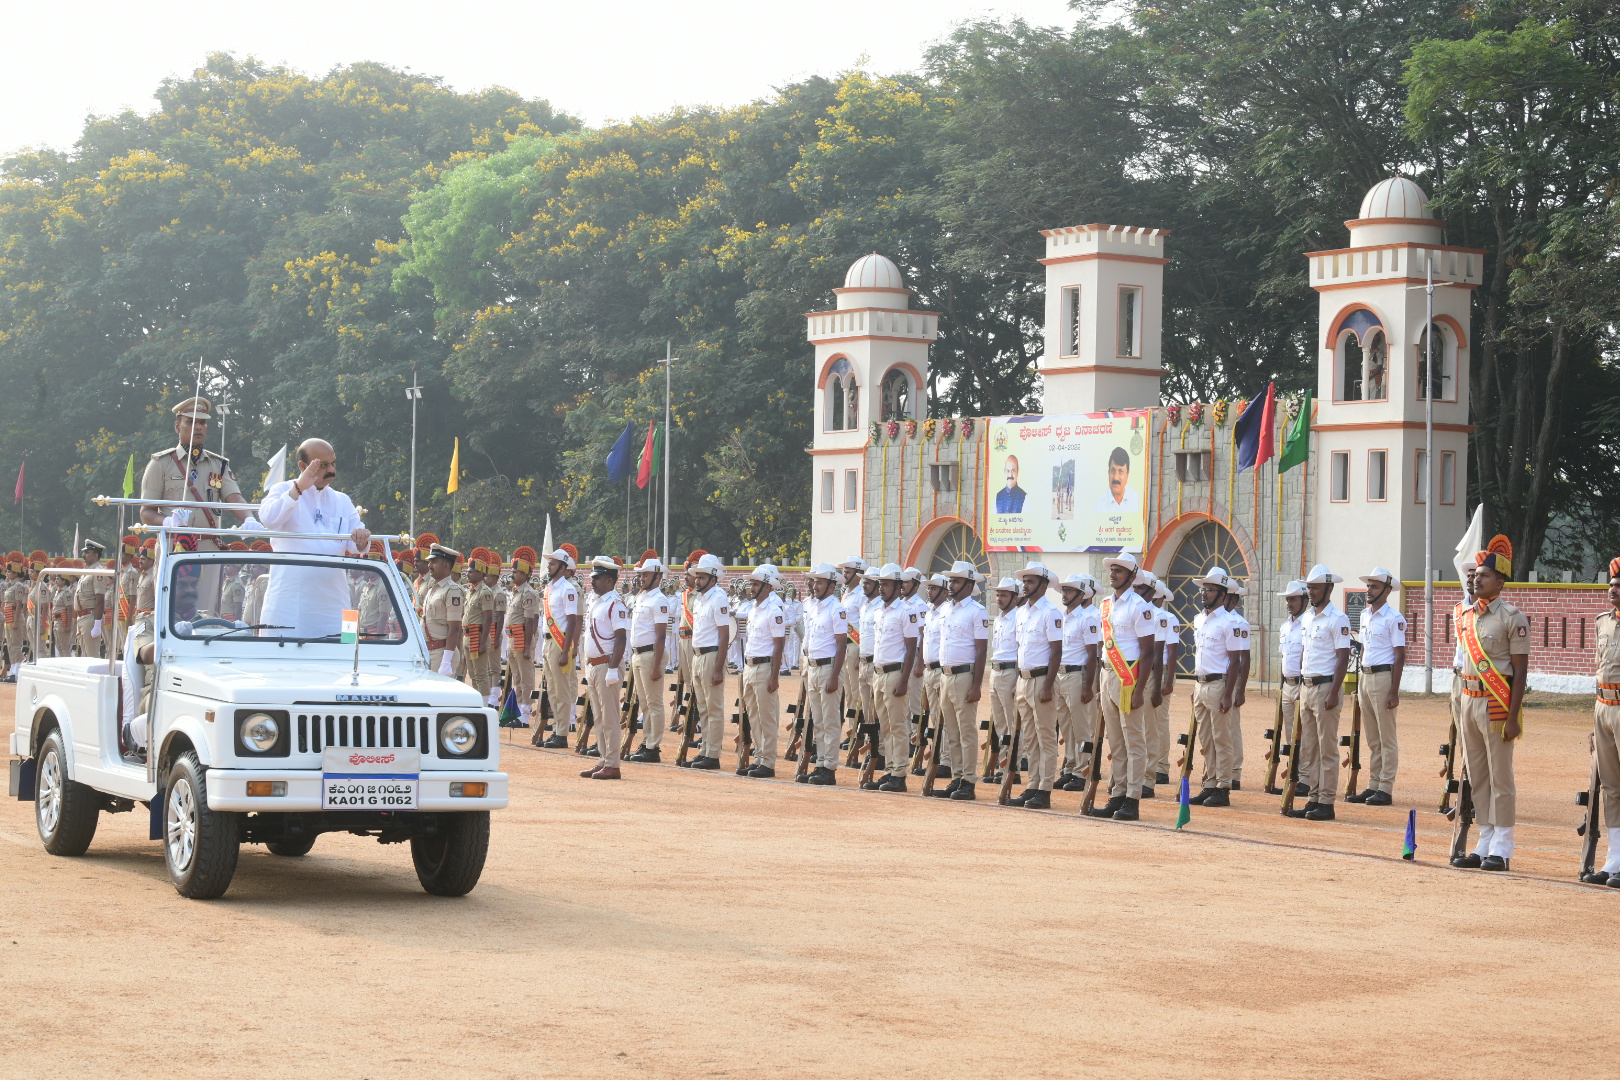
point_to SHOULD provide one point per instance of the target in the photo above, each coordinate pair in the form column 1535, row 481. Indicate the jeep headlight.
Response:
column 458, row 735
column 260, row 732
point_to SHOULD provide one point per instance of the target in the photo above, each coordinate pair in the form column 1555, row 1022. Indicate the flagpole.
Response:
column 1428, row 477
column 669, row 364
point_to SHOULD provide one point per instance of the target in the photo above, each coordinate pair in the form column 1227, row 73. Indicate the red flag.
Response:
column 645, row 473
column 1268, row 421
column 17, row 497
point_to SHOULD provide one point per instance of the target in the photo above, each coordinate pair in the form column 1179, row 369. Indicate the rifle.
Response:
column 586, row 722
column 931, row 760
column 799, row 720
column 1352, row 741
column 1591, row 827
column 629, row 717
column 1462, row 815
column 988, row 773
column 1274, row 754
column 745, row 739
column 1291, row 784
column 858, row 714
column 677, row 706
column 868, row 732
column 920, row 751
column 689, row 731
column 807, row 732
column 1188, row 740
column 1009, row 772
column 1094, row 748
column 1448, row 770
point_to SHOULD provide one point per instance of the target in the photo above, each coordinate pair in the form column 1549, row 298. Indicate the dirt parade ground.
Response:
column 680, row 924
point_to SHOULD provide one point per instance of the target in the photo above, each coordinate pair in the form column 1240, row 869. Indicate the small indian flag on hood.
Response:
column 351, row 626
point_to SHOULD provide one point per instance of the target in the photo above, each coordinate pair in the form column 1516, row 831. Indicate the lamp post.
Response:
column 669, row 365
column 1428, row 287
column 414, row 393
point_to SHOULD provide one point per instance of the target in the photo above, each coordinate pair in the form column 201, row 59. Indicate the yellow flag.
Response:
column 455, row 469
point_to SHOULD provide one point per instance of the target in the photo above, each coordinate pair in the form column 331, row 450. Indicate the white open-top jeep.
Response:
column 263, row 734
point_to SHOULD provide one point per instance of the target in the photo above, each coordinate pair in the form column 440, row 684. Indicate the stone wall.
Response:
column 1562, row 630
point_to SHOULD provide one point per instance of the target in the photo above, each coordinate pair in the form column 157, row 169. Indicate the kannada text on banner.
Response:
column 1067, row 483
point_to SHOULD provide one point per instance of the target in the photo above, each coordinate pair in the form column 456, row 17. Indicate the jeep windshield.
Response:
column 284, row 598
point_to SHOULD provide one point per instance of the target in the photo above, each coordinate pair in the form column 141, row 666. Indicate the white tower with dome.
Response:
column 871, row 363
column 1368, row 473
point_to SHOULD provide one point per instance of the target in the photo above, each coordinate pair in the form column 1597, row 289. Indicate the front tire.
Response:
column 292, row 848
column 66, row 812
column 450, row 862
column 200, row 845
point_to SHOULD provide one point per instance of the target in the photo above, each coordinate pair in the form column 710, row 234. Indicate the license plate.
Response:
column 370, row 779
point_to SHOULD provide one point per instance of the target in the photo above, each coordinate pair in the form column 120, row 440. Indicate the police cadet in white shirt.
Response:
column 1326, row 657
column 1234, row 605
column 1003, row 669
column 826, row 646
column 1220, row 639
column 854, row 597
column 1170, row 646
column 893, row 654
column 711, row 636
column 927, row 669
column 1040, row 653
column 1129, row 631
column 1156, row 713
column 911, row 580
column 607, row 628
column 1077, row 678
column 649, row 638
column 762, row 659
column 1291, row 647
column 872, row 604
column 964, row 643
column 1383, row 658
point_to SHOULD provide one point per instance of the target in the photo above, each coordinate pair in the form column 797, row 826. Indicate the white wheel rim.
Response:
column 48, row 792
column 182, row 825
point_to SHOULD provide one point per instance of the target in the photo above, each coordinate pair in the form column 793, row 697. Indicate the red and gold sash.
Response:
column 519, row 636
column 1466, row 617
column 475, row 638
column 686, row 608
column 1124, row 669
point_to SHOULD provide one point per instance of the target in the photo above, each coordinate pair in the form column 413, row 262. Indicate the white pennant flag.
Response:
column 546, row 549
column 277, row 469
column 1472, row 541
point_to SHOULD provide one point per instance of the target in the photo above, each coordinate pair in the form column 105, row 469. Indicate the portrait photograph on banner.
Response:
column 1067, row 483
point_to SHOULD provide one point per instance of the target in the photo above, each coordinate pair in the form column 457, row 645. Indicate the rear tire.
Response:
column 200, row 845
column 450, row 862
column 293, row 848
column 66, row 812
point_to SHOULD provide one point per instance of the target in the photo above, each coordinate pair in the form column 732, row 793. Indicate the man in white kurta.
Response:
column 310, row 600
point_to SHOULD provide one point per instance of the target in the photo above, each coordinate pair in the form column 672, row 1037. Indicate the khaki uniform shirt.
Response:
column 1504, row 632
column 85, row 591
column 373, row 605
column 16, row 602
column 441, row 606
column 146, row 592
column 206, row 478
column 1608, row 649
column 233, row 597
column 62, row 602
column 522, row 604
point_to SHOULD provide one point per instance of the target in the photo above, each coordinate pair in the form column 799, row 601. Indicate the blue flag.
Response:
column 1253, row 430
column 618, row 459
column 1409, row 849
column 1183, row 806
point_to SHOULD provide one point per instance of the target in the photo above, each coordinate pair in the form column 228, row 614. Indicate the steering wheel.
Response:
column 199, row 624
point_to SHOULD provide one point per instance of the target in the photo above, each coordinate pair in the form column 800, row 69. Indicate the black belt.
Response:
column 644, row 648
column 1291, row 680
column 888, row 668
column 1070, row 668
column 1376, row 669
column 701, row 649
column 823, row 662
column 1032, row 673
column 959, row 669
column 1212, row 678
column 759, row 659
column 932, row 664
column 1317, row 680
column 1006, row 665
column 684, row 633
column 866, row 659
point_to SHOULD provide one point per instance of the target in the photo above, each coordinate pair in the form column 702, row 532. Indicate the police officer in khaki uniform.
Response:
column 1130, row 643
column 711, row 639
column 15, row 600
column 1606, row 729
column 478, row 623
column 763, row 647
column 649, row 638
column 964, row 647
column 607, row 629
column 442, row 603
column 1383, row 658
column 1291, row 651
column 90, row 593
column 561, row 624
column 1322, row 665
column 1495, row 637
column 63, row 608
column 522, row 623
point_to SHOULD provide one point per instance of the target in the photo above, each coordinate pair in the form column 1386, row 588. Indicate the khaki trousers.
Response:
column 894, row 720
column 14, row 642
column 435, row 658
column 849, row 686
column 1071, row 721
column 521, row 665
column 1038, row 731
column 605, row 704
column 649, row 678
column 1290, row 706
column 1214, row 734
column 1378, row 729
column 869, row 709
column 932, row 679
column 88, row 646
column 1490, row 765
column 1237, row 744
column 1157, row 718
column 958, row 720
column 1127, row 740
column 826, row 722
column 1003, row 709
column 709, row 701
column 1319, row 738
column 479, row 674
column 558, row 672
column 1606, row 722
column 764, row 717
column 61, row 638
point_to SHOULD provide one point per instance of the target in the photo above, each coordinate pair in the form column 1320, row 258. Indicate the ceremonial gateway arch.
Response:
column 897, row 486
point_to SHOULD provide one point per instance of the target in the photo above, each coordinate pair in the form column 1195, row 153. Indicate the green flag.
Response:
column 658, row 450
column 129, row 478
column 1297, row 443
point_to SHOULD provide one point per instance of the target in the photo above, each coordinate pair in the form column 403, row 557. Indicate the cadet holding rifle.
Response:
column 1324, row 662
column 1383, row 658
column 826, row 647
column 763, row 646
column 1291, row 649
column 607, row 625
column 1222, row 642
column 1077, row 679
column 1606, row 729
column 1130, row 638
column 1040, row 654
column 964, row 640
column 898, row 627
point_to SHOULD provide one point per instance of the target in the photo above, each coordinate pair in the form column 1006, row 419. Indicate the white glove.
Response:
column 95, row 629
column 612, row 674
column 446, row 667
column 253, row 524
column 179, row 519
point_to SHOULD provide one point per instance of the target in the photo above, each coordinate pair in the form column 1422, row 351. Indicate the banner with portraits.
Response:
column 1067, row 483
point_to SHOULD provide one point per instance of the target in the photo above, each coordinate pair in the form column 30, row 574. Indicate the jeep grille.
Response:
column 317, row 731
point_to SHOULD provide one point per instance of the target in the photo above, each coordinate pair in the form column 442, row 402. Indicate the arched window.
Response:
column 1440, row 387
column 1361, row 354
column 1351, row 362
column 1377, row 385
column 896, row 395
column 842, row 408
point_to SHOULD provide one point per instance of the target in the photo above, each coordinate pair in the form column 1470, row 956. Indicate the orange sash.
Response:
column 1500, row 689
column 1125, row 669
column 552, row 628
column 475, row 638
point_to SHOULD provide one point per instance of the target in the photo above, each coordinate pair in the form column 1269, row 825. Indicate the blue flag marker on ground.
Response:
column 1184, row 809
column 1409, row 848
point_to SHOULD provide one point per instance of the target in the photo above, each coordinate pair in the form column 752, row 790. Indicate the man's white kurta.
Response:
column 309, row 599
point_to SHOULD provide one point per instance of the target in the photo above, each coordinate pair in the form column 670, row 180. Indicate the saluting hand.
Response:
column 314, row 469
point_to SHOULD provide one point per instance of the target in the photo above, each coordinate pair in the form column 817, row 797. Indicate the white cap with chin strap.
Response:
column 1321, row 575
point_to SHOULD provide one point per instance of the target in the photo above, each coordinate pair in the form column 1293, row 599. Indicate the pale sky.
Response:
column 599, row 61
